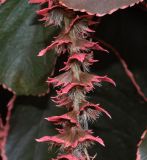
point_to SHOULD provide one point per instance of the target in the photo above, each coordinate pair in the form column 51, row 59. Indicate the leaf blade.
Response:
column 21, row 40
column 100, row 8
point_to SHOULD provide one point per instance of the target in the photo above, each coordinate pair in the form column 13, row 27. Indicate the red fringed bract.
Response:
column 74, row 82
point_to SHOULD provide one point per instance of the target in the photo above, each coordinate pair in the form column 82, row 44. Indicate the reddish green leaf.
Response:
column 98, row 7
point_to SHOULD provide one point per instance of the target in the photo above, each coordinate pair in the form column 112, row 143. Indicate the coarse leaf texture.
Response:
column 98, row 7
column 21, row 38
column 142, row 147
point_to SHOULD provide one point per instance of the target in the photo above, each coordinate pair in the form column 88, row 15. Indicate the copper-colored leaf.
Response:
column 98, row 7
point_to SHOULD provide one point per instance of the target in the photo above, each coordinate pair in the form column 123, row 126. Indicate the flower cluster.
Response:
column 2, row 1
column 74, row 82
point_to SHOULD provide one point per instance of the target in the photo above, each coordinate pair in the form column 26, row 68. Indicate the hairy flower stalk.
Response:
column 74, row 82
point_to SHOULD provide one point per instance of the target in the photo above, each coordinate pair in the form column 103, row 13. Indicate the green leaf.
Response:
column 20, row 41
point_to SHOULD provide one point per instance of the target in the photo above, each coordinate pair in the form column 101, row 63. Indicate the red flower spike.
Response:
column 85, row 45
column 103, row 79
column 70, row 116
column 67, row 157
column 79, row 57
column 61, row 80
column 92, row 138
column 49, row 15
column 84, row 58
column 77, row 19
column 39, row 1
column 74, row 138
column 87, row 82
column 62, row 42
column 62, row 100
column 53, row 139
column 71, row 138
column 96, row 107
column 46, row 10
